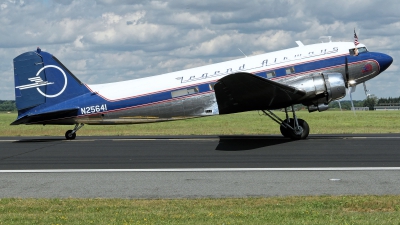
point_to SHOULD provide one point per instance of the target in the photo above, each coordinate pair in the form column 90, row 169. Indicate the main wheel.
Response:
column 286, row 131
column 69, row 135
column 304, row 134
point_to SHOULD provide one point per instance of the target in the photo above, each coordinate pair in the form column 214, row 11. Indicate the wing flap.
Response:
column 241, row 92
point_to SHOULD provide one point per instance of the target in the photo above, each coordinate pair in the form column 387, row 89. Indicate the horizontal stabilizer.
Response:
column 48, row 116
column 241, row 92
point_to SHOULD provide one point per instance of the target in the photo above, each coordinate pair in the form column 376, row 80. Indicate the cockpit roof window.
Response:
column 360, row 50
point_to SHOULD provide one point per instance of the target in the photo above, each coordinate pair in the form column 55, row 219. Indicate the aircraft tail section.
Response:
column 25, row 68
column 41, row 81
column 41, row 78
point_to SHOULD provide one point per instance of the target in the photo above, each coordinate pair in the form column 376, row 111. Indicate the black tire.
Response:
column 306, row 130
column 69, row 135
column 286, row 131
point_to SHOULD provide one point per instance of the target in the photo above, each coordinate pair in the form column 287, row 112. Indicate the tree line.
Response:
column 388, row 100
column 7, row 105
column 346, row 104
column 369, row 102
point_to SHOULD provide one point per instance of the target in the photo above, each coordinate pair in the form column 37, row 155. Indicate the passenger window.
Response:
column 211, row 86
column 183, row 92
column 271, row 74
column 289, row 70
column 192, row 90
column 178, row 93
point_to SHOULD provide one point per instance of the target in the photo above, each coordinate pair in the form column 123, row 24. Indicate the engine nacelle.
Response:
column 321, row 88
column 320, row 108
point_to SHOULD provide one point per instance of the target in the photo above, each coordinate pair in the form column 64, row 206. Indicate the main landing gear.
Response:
column 71, row 134
column 293, row 128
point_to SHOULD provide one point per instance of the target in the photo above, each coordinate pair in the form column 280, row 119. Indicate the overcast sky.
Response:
column 106, row 40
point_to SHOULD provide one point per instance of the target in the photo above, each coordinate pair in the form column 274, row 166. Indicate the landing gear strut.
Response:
column 71, row 134
column 293, row 128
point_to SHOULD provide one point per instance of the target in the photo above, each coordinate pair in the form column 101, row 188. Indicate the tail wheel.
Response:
column 69, row 135
column 299, row 135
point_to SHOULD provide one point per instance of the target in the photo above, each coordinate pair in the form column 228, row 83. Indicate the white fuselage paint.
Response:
column 269, row 61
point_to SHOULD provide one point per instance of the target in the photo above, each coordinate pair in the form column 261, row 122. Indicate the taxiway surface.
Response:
column 199, row 166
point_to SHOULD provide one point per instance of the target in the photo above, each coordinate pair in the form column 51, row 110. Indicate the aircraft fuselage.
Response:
column 190, row 93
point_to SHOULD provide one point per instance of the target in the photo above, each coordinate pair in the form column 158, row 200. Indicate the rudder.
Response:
column 40, row 78
column 25, row 68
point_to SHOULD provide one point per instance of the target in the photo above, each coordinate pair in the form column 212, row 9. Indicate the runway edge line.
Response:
column 202, row 170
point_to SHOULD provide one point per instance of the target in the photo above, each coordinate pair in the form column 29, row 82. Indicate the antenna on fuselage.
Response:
column 242, row 52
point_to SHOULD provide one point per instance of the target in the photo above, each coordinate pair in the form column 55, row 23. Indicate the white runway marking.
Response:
column 203, row 170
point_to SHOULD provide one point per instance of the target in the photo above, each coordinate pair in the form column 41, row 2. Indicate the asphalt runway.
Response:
column 199, row 166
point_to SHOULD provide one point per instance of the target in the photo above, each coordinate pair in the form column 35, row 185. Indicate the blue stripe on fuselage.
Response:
column 163, row 96
column 315, row 66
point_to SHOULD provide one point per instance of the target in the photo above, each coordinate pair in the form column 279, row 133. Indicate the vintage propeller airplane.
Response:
column 47, row 92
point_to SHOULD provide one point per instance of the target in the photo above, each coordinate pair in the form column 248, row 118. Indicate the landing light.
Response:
column 352, row 81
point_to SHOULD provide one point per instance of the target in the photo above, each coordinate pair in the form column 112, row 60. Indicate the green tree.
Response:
column 388, row 100
column 7, row 105
column 370, row 102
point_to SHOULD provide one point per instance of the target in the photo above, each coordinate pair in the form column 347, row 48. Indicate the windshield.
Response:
column 360, row 50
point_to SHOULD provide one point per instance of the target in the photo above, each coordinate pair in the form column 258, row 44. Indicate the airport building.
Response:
column 387, row 106
column 361, row 108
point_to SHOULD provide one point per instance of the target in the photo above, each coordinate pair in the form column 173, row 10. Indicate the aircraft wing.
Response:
column 240, row 92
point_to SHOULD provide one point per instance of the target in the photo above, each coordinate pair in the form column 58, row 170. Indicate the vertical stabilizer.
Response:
column 26, row 67
column 42, row 81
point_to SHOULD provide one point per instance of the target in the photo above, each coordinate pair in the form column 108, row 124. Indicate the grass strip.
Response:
column 276, row 210
column 250, row 123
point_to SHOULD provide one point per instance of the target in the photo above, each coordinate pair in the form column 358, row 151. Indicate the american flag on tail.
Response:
column 355, row 38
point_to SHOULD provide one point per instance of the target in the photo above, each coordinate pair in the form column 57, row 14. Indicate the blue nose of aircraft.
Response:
column 384, row 61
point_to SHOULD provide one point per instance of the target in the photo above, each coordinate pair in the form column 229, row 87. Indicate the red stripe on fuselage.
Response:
column 208, row 81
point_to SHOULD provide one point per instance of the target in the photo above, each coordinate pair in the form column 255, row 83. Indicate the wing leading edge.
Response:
column 241, row 92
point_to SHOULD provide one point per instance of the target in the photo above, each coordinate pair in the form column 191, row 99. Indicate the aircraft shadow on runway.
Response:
column 245, row 143
column 39, row 140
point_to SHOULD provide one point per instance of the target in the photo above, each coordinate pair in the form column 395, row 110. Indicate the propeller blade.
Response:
column 351, row 90
column 340, row 105
column 346, row 71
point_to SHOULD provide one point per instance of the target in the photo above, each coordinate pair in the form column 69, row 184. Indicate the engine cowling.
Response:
column 321, row 88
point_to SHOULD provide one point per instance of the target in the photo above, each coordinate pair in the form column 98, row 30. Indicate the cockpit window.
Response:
column 360, row 50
